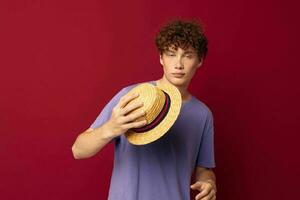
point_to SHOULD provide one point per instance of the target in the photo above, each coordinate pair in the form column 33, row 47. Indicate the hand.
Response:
column 122, row 119
column 207, row 190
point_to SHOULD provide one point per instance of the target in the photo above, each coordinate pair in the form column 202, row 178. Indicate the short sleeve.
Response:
column 206, row 151
column 107, row 110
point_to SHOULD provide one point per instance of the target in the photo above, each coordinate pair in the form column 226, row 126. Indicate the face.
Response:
column 179, row 66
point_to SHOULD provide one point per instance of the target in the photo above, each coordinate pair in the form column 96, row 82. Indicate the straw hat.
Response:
column 162, row 105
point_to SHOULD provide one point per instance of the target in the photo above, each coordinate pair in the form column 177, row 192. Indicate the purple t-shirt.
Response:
column 162, row 169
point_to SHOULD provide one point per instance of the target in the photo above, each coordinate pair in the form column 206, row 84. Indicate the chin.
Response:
column 177, row 81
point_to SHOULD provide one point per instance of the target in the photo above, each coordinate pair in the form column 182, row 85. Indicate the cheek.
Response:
column 167, row 70
column 191, row 71
column 167, row 63
column 167, row 66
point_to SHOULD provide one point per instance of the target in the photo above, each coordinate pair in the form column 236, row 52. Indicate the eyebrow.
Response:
column 171, row 51
column 189, row 51
column 186, row 52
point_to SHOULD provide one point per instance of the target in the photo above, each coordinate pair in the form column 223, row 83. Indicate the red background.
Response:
column 61, row 61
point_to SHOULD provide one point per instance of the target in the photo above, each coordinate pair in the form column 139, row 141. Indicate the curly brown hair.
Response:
column 184, row 34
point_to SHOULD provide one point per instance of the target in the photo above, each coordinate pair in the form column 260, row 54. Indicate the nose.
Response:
column 179, row 64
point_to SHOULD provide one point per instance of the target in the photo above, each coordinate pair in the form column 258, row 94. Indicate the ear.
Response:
column 160, row 59
column 200, row 63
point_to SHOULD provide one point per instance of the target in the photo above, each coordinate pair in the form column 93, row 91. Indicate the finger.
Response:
column 202, row 194
column 196, row 186
column 135, row 124
column 128, row 108
column 132, row 117
column 211, row 195
column 127, row 98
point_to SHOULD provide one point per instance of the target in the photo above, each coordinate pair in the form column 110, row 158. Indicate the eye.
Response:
column 171, row 54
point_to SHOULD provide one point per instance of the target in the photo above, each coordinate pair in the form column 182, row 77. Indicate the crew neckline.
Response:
column 183, row 103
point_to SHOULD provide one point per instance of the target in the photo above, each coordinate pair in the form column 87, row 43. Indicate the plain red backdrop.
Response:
column 61, row 62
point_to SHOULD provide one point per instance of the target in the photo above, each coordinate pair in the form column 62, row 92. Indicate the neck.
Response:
column 183, row 89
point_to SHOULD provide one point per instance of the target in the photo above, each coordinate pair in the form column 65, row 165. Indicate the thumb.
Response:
column 196, row 185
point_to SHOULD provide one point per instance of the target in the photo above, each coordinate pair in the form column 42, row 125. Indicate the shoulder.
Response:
column 128, row 87
column 201, row 108
column 125, row 89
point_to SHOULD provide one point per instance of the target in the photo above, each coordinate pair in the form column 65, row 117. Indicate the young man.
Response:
column 162, row 169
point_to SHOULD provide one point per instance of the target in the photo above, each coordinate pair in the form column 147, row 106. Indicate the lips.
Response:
column 178, row 74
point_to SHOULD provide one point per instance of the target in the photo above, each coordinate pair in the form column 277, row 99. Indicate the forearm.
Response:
column 206, row 175
column 91, row 142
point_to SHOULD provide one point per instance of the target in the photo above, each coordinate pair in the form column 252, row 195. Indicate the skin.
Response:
column 91, row 141
column 188, row 62
column 205, row 184
column 180, row 61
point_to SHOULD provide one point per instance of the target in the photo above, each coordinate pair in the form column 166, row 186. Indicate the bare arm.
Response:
column 91, row 141
column 205, row 183
column 204, row 174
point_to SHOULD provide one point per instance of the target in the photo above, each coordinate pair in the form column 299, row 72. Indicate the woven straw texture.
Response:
column 154, row 99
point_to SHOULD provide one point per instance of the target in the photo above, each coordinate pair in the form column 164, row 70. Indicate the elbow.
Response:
column 75, row 153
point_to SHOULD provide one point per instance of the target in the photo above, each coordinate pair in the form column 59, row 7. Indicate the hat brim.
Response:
column 162, row 128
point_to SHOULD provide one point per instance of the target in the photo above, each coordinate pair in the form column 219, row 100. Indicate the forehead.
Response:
column 179, row 49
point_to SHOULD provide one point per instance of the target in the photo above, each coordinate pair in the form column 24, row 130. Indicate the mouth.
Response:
column 178, row 75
